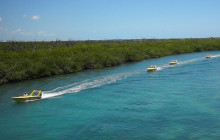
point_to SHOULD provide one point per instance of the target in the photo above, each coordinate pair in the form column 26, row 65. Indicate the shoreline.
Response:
column 20, row 61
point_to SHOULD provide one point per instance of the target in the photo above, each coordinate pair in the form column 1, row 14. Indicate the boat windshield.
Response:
column 35, row 93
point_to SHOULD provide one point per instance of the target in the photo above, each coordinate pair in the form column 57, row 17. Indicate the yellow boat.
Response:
column 152, row 68
column 34, row 95
column 208, row 56
column 173, row 62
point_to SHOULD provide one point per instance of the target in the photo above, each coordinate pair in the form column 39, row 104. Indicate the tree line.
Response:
column 29, row 60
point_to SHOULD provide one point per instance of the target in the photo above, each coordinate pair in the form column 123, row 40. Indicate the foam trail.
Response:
column 216, row 55
column 159, row 68
column 179, row 63
column 190, row 61
column 86, row 84
column 165, row 67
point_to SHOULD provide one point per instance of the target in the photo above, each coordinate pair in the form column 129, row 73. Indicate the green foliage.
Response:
column 27, row 60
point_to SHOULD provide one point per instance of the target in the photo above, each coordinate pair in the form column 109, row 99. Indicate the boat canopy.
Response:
column 36, row 93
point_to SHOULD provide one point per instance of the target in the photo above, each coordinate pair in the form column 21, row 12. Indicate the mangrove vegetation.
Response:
column 28, row 60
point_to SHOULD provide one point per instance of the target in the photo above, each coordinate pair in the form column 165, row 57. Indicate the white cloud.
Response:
column 3, row 30
column 1, row 19
column 26, row 33
column 44, row 33
column 41, row 32
column 18, row 30
column 24, row 16
column 35, row 17
column 21, row 32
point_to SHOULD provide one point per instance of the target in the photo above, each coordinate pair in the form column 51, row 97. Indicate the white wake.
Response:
column 179, row 63
column 185, row 62
column 86, row 84
column 215, row 55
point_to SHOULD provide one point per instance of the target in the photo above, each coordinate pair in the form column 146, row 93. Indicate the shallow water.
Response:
column 124, row 102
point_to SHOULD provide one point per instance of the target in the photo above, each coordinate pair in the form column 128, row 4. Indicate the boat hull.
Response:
column 151, row 69
column 172, row 63
column 25, row 98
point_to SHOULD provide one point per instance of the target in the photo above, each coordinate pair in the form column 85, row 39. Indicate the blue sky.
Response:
column 30, row 20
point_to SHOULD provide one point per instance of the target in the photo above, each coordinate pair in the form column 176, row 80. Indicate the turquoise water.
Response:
column 123, row 102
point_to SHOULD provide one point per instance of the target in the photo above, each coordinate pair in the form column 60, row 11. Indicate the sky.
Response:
column 30, row 20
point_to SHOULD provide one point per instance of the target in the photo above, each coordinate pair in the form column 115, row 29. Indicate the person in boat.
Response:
column 25, row 94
